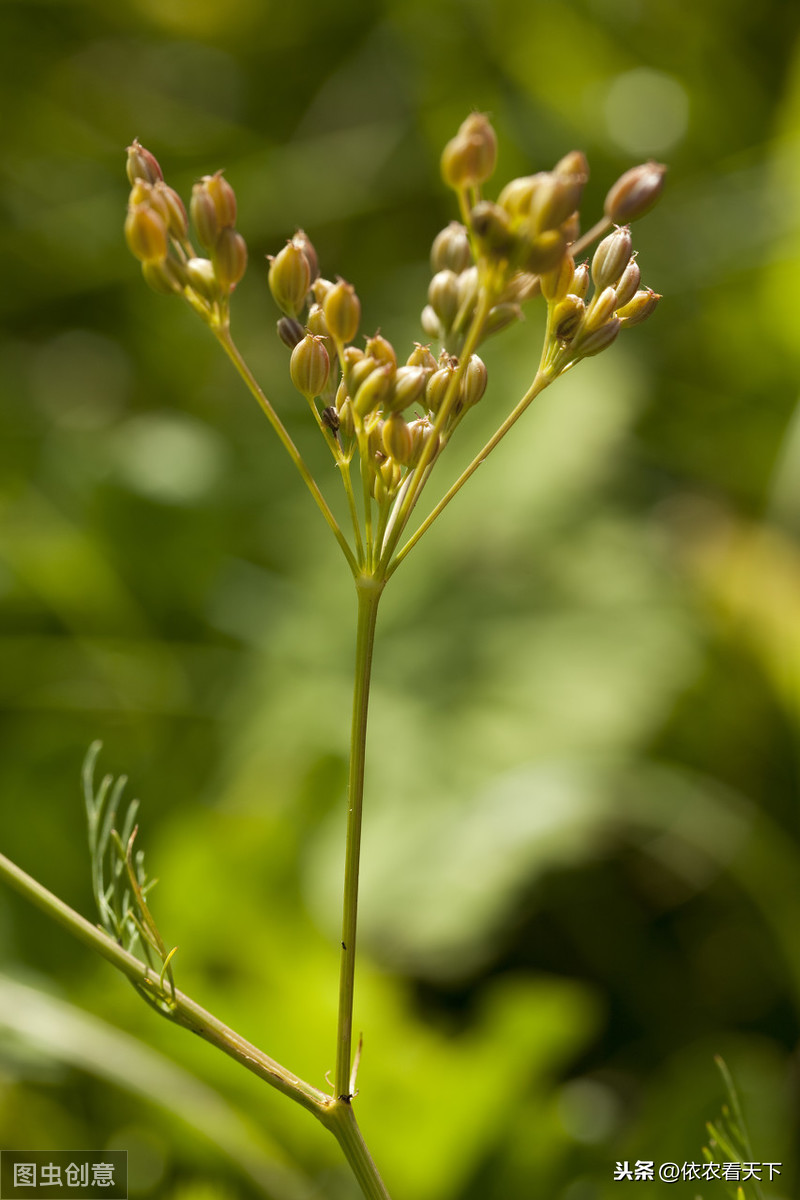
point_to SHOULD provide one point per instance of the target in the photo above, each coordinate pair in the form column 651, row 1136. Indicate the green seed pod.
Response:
column 382, row 350
column 372, row 392
column 451, row 250
column 517, row 195
column 290, row 331
column 398, row 440
column 473, row 382
column 310, row 366
column 146, row 234
column 341, row 396
column 555, row 199
column 574, row 163
column 635, row 193
column 229, row 257
column 347, row 425
column 469, row 158
column 422, row 432
column 500, row 317
column 436, row 387
column 628, row 283
column 421, row 356
column 316, row 322
column 545, row 251
column 289, row 279
column 142, row 164
column 320, row 288
column 167, row 277
column 342, row 309
column 431, row 325
column 467, row 293
column 203, row 279
column 359, row 370
column 409, row 384
column 611, row 258
column 639, row 308
column 443, row 297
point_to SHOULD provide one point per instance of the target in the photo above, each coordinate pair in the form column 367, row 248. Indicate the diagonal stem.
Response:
column 369, row 591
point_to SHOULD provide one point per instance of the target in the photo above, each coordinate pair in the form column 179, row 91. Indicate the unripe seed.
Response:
column 567, row 317
column 372, row 391
column 146, row 234
column 473, row 382
column 516, row 196
column 142, row 164
column 202, row 278
column 628, row 284
column 598, row 339
column 600, row 310
column 310, row 366
column 545, row 251
column 229, row 257
column 639, row 308
column 556, row 284
column 223, row 198
column 430, row 323
column 436, row 387
column 469, row 158
column 381, row 349
column 177, row 220
column 421, row 356
column 204, row 216
column 409, row 384
column 316, row 322
column 451, row 250
column 635, row 192
column 302, row 240
column 289, row 279
column 580, row 281
column 490, row 224
column 167, row 277
column 611, row 258
column 398, row 440
column 342, row 309
column 290, row 331
column 443, row 297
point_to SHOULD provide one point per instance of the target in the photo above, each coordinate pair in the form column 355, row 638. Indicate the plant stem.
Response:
column 543, row 378
column 341, row 1121
column 229, row 346
column 369, row 589
column 184, row 1010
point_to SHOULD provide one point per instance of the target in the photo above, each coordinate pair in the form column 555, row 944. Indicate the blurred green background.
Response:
column 582, row 847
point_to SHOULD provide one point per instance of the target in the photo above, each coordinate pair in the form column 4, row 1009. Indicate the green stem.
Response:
column 539, row 384
column 184, row 1010
column 369, row 591
column 341, row 1121
column 226, row 341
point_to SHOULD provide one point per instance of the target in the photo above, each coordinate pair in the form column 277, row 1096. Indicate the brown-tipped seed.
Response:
column 289, row 279
column 639, row 308
column 421, row 356
column 146, row 234
column 382, row 350
column 409, row 384
column 635, row 192
column 580, row 281
column 443, row 297
column 628, row 283
column 373, row 391
column 142, row 164
column 592, row 343
column 229, row 257
column 342, row 309
column 302, row 240
column 223, row 198
column 469, row 158
column 167, row 277
column 611, row 258
column 177, row 220
column 398, row 440
column 290, row 331
column 310, row 366
column 491, row 226
column 202, row 278
column 473, row 382
column 451, row 250
column 567, row 317
column 204, row 216
column 557, row 283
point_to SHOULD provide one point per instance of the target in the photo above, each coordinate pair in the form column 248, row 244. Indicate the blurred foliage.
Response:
column 582, row 839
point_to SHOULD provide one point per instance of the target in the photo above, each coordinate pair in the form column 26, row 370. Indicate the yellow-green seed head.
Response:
column 204, row 216
column 635, row 193
column 342, row 309
column 594, row 342
column 431, row 325
column 567, row 317
column 443, row 297
column 451, row 250
column 302, row 240
column 381, row 349
column 628, row 283
column 167, row 277
column 202, row 278
column 223, row 198
column 358, row 370
column 316, row 322
column 492, row 227
column 517, row 195
column 409, row 384
column 557, row 283
column 580, row 281
column 421, row 356
column 310, row 366
column 469, row 158
column 500, row 317
column 372, row 392
column 574, row 163
column 436, row 387
column 289, row 279
column 177, row 220
column 146, row 234
column 229, row 257
column 555, row 199
column 290, row 331
column 473, row 382
column 600, row 310
column 545, row 251
column 398, row 440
